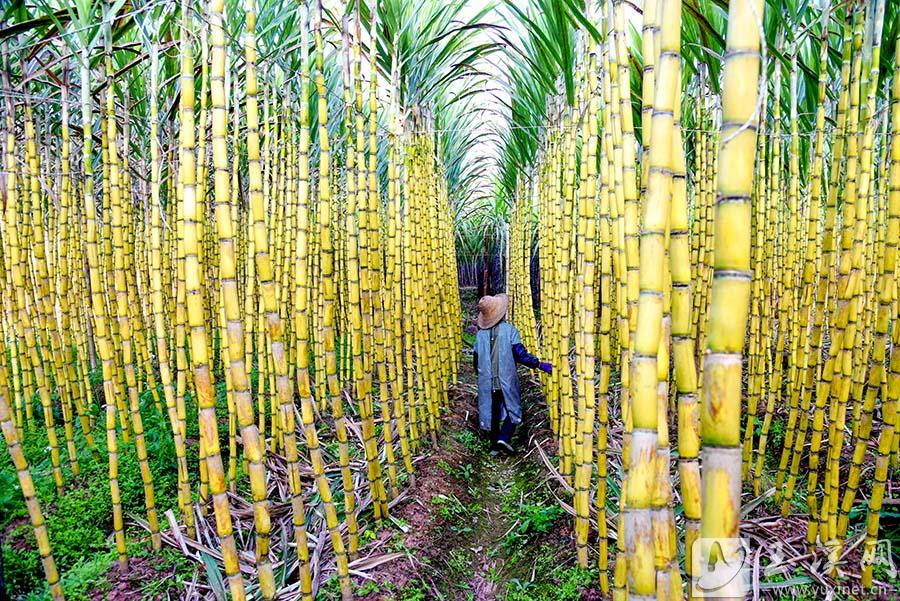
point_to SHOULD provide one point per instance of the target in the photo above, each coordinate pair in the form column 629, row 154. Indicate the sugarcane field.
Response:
column 452, row 300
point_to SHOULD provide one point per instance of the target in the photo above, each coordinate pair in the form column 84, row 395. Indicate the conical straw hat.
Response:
column 491, row 309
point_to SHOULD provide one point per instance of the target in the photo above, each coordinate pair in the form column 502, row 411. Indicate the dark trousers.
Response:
column 500, row 431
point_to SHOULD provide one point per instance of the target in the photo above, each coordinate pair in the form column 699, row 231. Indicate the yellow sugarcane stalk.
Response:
column 20, row 463
column 642, row 473
column 123, row 311
column 720, row 404
column 156, row 288
column 585, row 319
column 98, row 308
column 327, row 283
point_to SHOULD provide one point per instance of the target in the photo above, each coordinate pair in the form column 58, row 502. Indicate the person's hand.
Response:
column 545, row 367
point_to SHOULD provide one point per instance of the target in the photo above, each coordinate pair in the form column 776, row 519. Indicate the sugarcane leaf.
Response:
column 214, row 576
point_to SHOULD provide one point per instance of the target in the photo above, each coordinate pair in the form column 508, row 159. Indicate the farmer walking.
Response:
column 498, row 347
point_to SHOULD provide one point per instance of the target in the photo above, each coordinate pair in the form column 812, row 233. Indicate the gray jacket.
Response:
column 508, row 344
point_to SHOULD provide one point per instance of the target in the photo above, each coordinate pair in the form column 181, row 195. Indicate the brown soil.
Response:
column 130, row 584
column 17, row 543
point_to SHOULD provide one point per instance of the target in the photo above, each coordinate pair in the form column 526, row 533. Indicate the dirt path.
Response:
column 478, row 528
column 489, row 565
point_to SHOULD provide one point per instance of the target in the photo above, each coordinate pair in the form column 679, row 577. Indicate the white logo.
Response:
column 880, row 554
column 720, row 567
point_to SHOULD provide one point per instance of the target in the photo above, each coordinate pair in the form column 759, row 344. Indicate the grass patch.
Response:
column 79, row 522
column 559, row 584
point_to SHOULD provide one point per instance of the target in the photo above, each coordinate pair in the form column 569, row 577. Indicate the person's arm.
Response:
column 523, row 357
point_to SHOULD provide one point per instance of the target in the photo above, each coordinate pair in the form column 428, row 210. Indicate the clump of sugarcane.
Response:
column 791, row 288
column 198, row 273
column 547, row 173
column 521, row 230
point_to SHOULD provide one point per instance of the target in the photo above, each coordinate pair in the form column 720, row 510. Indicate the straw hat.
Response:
column 491, row 309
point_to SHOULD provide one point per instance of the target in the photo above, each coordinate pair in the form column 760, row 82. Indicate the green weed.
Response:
column 469, row 440
column 562, row 584
column 449, row 506
column 368, row 588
